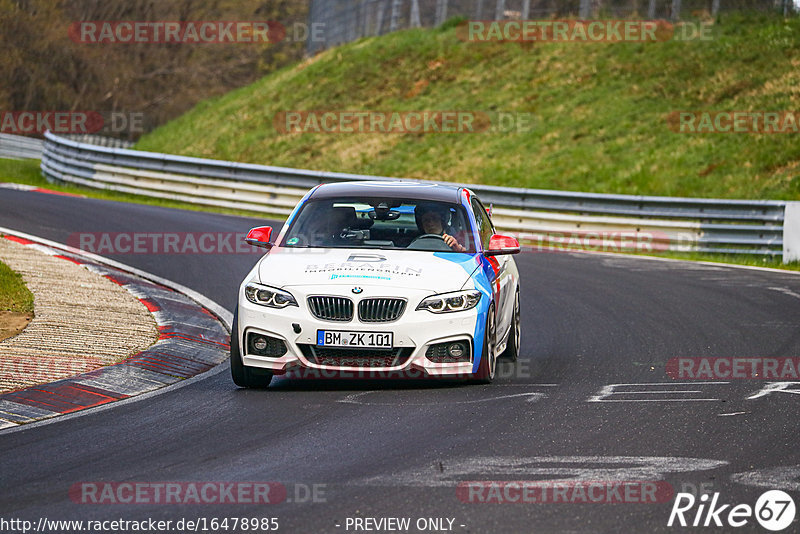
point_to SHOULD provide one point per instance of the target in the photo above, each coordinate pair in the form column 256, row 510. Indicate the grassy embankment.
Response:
column 16, row 303
column 600, row 112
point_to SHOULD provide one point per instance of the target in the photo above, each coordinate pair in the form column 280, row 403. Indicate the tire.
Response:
column 512, row 348
column 488, row 365
column 245, row 377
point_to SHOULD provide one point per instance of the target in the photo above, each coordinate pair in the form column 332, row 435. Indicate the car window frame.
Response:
column 480, row 213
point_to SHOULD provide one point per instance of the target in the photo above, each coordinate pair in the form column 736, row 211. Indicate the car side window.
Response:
column 485, row 228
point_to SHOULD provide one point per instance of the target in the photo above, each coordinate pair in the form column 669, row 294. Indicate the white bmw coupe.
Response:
column 379, row 279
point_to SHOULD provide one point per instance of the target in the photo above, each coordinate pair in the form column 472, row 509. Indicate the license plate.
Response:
column 343, row 338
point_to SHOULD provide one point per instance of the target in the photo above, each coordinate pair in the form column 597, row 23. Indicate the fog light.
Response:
column 456, row 350
column 260, row 343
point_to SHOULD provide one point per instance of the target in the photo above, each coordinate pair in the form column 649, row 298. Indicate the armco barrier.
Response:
column 20, row 147
column 544, row 218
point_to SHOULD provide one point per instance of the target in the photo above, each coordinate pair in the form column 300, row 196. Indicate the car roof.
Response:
column 389, row 189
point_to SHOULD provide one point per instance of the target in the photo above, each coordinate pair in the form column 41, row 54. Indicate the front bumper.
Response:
column 415, row 331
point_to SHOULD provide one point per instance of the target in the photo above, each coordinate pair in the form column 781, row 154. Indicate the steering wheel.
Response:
column 428, row 236
column 428, row 243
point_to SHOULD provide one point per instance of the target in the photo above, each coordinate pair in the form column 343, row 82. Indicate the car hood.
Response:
column 436, row 272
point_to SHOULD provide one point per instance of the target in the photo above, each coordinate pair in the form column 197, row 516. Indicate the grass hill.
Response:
column 600, row 112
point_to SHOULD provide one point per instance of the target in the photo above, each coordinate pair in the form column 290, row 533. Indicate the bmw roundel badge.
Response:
column 357, row 290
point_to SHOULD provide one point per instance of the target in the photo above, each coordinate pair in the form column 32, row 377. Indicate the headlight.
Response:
column 268, row 296
column 451, row 302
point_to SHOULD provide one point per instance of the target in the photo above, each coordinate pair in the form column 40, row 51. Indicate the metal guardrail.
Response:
column 23, row 147
column 542, row 218
column 101, row 140
column 20, row 147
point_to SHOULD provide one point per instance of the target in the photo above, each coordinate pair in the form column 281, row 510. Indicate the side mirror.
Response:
column 259, row 236
column 501, row 244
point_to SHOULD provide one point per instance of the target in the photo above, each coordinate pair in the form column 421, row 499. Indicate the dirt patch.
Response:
column 12, row 323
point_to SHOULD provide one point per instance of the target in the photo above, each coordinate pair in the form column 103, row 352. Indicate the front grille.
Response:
column 331, row 308
column 341, row 357
column 275, row 347
column 438, row 353
column 380, row 310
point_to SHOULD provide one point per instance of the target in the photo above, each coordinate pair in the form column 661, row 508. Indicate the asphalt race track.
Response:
column 380, row 449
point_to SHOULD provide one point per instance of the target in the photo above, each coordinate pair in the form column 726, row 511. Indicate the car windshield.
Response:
column 383, row 223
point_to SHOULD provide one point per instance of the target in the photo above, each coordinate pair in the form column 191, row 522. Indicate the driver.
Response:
column 431, row 219
column 327, row 227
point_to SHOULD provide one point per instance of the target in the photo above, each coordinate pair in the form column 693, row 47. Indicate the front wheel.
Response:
column 486, row 369
column 245, row 377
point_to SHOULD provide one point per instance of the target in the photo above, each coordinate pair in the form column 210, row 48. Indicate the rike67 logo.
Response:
column 774, row 510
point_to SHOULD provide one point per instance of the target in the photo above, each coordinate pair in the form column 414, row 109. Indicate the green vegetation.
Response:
column 601, row 112
column 14, row 296
column 45, row 69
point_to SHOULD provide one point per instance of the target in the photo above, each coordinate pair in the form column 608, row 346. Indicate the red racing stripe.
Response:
column 19, row 240
column 61, row 193
column 150, row 305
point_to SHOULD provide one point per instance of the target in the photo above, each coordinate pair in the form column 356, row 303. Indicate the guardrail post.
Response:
column 583, row 12
column 791, row 232
column 414, row 18
column 500, row 10
column 394, row 20
column 675, row 14
column 441, row 12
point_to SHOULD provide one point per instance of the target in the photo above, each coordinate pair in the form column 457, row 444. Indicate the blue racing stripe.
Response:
column 477, row 267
